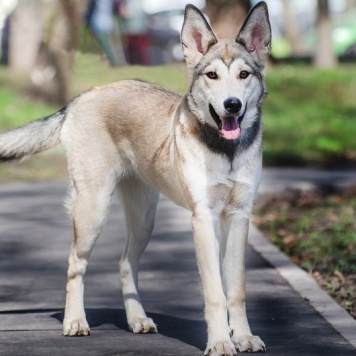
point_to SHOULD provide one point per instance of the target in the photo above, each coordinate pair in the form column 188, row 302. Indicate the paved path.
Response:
column 35, row 237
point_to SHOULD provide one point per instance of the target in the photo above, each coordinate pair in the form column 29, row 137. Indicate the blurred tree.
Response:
column 292, row 29
column 26, row 32
column 350, row 4
column 227, row 16
column 324, row 54
column 44, row 36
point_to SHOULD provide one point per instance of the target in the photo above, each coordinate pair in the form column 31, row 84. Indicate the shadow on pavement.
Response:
column 191, row 332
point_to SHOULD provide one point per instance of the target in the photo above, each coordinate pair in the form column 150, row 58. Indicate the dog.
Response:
column 202, row 150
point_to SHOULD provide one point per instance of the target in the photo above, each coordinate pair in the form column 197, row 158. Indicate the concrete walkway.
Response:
column 35, row 237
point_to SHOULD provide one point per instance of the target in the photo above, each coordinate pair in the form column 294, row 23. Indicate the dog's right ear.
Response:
column 197, row 36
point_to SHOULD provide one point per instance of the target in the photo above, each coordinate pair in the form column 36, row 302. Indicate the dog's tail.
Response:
column 35, row 137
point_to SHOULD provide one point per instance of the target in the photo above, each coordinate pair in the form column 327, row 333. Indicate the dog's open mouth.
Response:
column 229, row 126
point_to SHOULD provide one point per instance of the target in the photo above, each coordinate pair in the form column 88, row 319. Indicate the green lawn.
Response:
column 17, row 110
column 310, row 116
column 91, row 70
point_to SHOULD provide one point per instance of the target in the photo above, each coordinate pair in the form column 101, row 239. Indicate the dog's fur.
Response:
column 202, row 150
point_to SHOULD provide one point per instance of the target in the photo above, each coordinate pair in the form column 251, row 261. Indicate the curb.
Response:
column 305, row 286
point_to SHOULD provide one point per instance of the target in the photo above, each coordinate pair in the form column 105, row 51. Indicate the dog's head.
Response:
column 226, row 76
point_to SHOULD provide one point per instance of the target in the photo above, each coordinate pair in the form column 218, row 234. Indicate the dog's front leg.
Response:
column 207, row 252
column 234, row 231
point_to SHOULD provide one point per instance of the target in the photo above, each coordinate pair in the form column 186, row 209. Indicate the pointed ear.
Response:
column 197, row 36
column 255, row 33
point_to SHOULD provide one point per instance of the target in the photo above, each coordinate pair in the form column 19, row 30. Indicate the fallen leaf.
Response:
column 340, row 276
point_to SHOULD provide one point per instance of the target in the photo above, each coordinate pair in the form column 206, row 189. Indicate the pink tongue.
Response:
column 230, row 129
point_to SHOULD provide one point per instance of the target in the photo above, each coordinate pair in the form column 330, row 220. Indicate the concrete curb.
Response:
column 305, row 285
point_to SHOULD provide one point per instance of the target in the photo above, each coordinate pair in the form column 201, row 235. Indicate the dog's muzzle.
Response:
column 229, row 126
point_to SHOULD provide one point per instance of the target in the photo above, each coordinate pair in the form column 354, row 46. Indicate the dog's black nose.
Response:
column 233, row 105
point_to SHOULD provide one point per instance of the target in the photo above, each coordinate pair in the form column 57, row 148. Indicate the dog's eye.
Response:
column 212, row 75
column 244, row 74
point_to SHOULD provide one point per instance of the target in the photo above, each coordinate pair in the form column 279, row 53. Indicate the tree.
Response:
column 227, row 16
column 292, row 29
column 26, row 33
column 44, row 36
column 324, row 54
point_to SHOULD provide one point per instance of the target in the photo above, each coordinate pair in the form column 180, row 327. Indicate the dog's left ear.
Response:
column 255, row 33
column 197, row 36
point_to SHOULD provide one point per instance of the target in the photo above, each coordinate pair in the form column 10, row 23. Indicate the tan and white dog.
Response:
column 202, row 150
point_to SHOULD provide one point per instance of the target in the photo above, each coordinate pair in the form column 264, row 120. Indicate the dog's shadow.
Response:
column 191, row 332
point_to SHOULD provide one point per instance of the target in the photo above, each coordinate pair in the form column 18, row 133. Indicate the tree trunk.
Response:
column 292, row 30
column 227, row 16
column 44, row 36
column 26, row 34
column 324, row 55
column 350, row 4
column 61, row 41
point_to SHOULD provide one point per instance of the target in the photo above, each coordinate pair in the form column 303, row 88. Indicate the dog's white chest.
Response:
column 210, row 183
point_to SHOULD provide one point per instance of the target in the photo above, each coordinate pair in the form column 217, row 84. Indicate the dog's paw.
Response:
column 249, row 343
column 77, row 327
column 143, row 326
column 225, row 348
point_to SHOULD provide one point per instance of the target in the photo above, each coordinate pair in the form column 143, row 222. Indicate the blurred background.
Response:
column 51, row 50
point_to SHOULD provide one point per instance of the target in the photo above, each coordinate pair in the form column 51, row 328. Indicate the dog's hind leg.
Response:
column 140, row 201
column 90, row 199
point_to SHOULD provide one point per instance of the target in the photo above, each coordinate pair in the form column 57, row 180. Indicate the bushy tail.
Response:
column 35, row 137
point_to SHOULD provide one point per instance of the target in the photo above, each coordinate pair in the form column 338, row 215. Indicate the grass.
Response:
column 91, row 70
column 310, row 227
column 318, row 232
column 310, row 117
column 17, row 110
